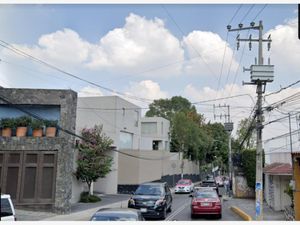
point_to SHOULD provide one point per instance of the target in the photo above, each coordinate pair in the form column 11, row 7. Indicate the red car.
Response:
column 206, row 202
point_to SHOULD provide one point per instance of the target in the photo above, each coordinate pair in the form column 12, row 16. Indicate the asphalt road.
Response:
column 181, row 210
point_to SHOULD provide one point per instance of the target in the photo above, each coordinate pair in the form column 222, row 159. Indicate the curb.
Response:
column 85, row 215
column 241, row 213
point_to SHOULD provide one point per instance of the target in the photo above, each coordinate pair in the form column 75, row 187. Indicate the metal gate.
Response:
column 28, row 176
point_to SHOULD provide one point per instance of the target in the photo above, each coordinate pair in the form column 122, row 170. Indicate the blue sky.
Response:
column 150, row 51
column 93, row 21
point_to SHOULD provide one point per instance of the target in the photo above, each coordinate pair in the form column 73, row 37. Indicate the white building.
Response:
column 155, row 133
column 278, row 173
column 121, row 122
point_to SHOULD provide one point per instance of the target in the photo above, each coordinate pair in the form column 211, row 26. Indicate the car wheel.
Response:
column 193, row 216
column 219, row 216
column 164, row 215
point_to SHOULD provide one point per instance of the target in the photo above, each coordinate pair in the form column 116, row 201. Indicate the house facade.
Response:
column 155, row 133
column 37, row 171
column 278, row 175
column 121, row 122
column 296, row 174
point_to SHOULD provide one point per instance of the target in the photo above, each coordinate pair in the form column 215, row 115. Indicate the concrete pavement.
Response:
column 79, row 211
column 248, row 206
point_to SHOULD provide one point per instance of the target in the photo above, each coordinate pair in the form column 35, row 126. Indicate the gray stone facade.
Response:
column 64, row 144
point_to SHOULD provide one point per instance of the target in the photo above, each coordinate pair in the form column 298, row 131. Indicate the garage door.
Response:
column 28, row 176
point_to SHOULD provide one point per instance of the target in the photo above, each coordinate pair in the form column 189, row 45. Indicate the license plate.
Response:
column 205, row 204
column 143, row 210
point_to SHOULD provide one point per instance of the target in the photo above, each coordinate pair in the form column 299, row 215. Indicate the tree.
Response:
column 167, row 108
column 248, row 166
column 217, row 143
column 93, row 161
column 242, row 133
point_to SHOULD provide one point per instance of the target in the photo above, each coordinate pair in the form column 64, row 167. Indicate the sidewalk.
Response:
column 248, row 206
column 79, row 211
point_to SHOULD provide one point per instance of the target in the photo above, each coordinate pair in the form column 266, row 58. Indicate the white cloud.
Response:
column 62, row 48
column 240, row 107
column 90, row 92
column 285, row 49
column 147, row 89
column 211, row 48
column 141, row 44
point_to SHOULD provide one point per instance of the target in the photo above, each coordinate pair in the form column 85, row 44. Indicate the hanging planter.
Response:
column 22, row 123
column 7, row 124
column 51, row 127
column 37, row 128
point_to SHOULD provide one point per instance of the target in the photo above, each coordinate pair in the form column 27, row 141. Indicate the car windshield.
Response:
column 5, row 208
column 206, row 194
column 114, row 217
column 183, row 182
column 149, row 190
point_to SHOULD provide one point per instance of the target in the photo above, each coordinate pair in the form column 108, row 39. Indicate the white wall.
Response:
column 275, row 196
column 161, row 134
column 282, row 157
column 116, row 115
column 137, row 171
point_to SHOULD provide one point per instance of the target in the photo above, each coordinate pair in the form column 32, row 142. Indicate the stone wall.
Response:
column 63, row 144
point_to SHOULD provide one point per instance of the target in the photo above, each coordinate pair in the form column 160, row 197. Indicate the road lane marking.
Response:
column 178, row 211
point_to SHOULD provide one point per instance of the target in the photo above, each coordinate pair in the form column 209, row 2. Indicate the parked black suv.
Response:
column 154, row 200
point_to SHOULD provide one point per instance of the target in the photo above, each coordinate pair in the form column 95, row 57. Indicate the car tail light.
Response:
column 194, row 203
column 218, row 203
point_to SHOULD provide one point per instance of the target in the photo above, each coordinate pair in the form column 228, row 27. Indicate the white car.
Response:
column 7, row 209
column 184, row 186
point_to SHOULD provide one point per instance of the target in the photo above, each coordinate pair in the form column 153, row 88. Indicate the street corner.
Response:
column 241, row 213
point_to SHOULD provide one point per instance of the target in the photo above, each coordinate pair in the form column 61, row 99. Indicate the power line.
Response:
column 36, row 116
column 236, row 12
column 249, row 10
column 24, row 54
column 260, row 11
column 217, row 99
column 223, row 59
column 281, row 89
column 278, row 148
column 198, row 53
column 281, row 136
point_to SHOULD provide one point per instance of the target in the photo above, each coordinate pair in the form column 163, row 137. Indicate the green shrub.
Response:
column 7, row 123
column 23, row 121
column 37, row 124
column 86, row 197
column 50, row 123
column 249, row 166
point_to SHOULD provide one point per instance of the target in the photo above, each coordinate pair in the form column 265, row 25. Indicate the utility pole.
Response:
column 228, row 127
column 260, row 75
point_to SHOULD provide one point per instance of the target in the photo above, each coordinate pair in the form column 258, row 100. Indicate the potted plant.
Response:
column 7, row 124
column 50, row 127
column 22, row 123
column 37, row 128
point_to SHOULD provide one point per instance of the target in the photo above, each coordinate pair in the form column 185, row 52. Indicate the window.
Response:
column 155, row 145
column 149, row 128
column 137, row 115
column 126, row 140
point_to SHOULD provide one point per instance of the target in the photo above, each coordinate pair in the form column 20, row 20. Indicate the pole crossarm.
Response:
column 244, row 28
column 256, row 40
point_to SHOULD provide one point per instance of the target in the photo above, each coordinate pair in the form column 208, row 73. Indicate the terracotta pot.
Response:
column 50, row 131
column 6, row 132
column 21, row 131
column 37, row 133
